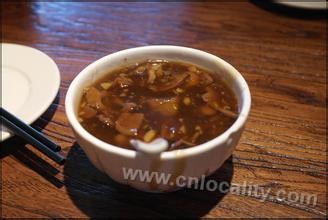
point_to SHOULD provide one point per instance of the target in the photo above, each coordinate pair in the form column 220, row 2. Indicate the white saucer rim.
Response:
column 52, row 94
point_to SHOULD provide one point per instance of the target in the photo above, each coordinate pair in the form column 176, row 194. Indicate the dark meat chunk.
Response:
column 129, row 106
column 123, row 81
column 107, row 120
column 171, row 84
column 212, row 99
column 93, row 97
column 165, row 106
column 129, row 123
column 88, row 112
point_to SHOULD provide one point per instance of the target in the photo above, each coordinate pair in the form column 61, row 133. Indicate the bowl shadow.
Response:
column 97, row 195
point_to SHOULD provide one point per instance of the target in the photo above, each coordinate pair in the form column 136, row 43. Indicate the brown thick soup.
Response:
column 177, row 101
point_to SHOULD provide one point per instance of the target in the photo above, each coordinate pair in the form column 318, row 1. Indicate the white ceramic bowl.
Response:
column 190, row 162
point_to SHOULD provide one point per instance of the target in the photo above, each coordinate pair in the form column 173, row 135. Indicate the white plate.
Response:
column 29, row 82
column 314, row 5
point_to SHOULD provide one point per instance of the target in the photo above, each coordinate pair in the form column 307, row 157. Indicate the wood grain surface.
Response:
column 283, row 147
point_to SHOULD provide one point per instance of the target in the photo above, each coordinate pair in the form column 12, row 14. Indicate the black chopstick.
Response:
column 33, row 141
column 27, row 133
column 28, row 129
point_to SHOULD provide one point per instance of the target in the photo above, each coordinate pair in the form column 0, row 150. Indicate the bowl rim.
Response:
column 217, row 141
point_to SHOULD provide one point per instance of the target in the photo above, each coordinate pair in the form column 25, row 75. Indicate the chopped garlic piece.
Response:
column 192, row 68
column 149, row 136
column 187, row 101
column 106, row 85
column 179, row 90
column 199, row 129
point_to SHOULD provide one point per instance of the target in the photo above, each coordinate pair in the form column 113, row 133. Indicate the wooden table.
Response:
column 283, row 146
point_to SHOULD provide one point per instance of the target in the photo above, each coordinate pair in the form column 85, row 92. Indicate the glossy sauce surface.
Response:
column 177, row 101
